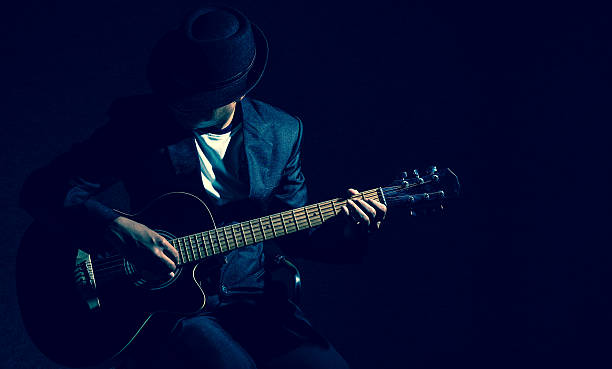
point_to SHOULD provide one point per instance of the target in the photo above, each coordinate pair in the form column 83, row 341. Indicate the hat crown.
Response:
column 213, row 47
column 213, row 25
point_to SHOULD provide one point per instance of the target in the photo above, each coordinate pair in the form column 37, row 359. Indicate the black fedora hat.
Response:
column 215, row 56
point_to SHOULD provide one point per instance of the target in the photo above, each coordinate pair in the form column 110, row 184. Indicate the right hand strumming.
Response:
column 147, row 249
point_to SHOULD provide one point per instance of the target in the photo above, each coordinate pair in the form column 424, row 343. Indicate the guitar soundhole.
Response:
column 151, row 284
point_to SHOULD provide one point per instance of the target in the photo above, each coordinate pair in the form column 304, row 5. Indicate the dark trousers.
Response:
column 242, row 335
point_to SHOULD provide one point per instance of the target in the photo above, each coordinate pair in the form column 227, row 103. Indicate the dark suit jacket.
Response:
column 145, row 148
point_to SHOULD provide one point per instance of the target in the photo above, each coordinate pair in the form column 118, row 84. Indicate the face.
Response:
column 190, row 116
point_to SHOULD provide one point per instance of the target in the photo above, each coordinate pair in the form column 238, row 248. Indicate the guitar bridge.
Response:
column 85, row 280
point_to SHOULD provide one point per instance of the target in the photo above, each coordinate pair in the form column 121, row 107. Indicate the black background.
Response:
column 513, row 97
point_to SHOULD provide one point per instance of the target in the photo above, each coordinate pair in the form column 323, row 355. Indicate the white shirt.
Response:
column 219, row 155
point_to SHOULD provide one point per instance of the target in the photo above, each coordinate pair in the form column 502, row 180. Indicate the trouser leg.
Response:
column 197, row 342
column 307, row 356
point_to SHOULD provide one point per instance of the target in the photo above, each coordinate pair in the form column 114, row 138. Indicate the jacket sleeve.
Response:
column 325, row 243
column 61, row 194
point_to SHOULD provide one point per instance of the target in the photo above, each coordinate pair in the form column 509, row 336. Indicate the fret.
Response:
column 284, row 225
column 380, row 195
column 177, row 249
column 234, row 234
column 262, row 229
column 297, row 226
column 252, row 231
column 229, row 247
column 208, row 242
column 203, row 243
column 243, row 236
column 189, row 255
column 216, row 233
column 207, row 247
column 184, row 248
column 195, row 240
column 289, row 224
column 219, row 240
column 188, row 244
column 178, row 243
column 175, row 244
column 200, row 244
column 307, row 217
column 320, row 213
column 275, row 221
column 188, row 247
column 272, row 225
column 312, row 213
column 236, row 242
column 236, row 239
column 329, row 207
column 194, row 245
column 307, row 220
column 230, row 229
column 212, row 243
column 333, row 204
column 241, row 233
column 325, row 213
column 197, row 246
column 293, row 221
column 317, row 217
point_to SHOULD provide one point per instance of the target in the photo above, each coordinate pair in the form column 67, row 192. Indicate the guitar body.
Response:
column 78, row 326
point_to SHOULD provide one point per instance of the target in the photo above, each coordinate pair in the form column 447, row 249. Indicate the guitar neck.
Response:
column 195, row 247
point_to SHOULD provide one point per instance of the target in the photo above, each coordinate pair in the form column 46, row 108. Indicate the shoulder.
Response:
column 277, row 121
column 273, row 114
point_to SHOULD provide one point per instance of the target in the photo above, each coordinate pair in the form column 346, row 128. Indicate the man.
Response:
column 198, row 133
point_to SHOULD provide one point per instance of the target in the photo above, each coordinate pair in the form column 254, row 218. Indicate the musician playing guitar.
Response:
column 198, row 134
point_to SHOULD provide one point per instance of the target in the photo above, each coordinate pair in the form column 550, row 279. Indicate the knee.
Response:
column 200, row 342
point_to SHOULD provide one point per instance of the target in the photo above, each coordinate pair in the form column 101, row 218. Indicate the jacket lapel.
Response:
column 257, row 148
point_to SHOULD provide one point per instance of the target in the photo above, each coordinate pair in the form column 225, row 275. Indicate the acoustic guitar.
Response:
column 82, row 308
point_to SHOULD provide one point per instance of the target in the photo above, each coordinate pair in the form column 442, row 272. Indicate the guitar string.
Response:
column 208, row 247
column 117, row 262
column 228, row 245
column 323, row 207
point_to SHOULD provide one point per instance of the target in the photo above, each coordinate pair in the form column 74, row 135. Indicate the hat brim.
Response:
column 216, row 98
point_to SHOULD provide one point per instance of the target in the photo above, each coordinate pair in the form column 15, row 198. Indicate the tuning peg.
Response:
column 432, row 170
column 416, row 173
column 403, row 175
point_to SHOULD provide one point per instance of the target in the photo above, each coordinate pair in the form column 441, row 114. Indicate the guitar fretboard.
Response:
column 195, row 247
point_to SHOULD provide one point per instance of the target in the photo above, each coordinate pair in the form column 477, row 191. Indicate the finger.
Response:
column 170, row 250
column 164, row 259
column 345, row 210
column 374, row 221
column 358, row 214
column 367, row 208
column 167, row 262
column 353, row 191
column 381, row 209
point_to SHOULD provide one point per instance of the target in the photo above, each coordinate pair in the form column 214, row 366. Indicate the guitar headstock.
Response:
column 422, row 191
